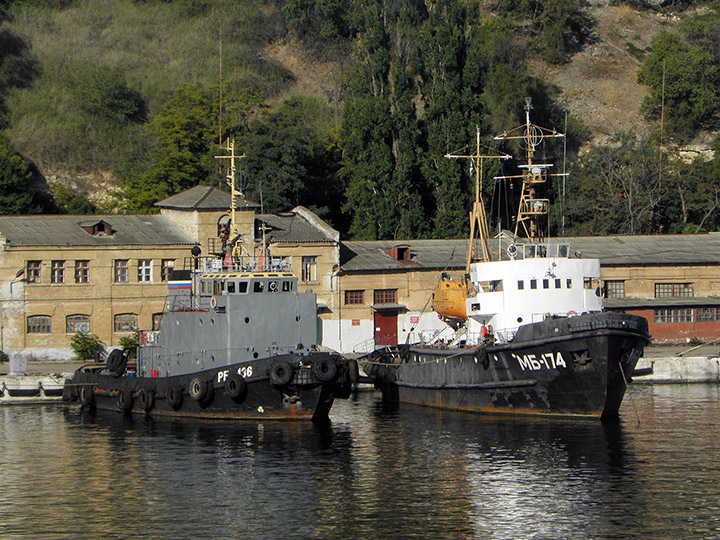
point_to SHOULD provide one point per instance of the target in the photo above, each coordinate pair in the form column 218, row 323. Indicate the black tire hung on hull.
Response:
column 146, row 398
column 124, row 399
column 325, row 369
column 200, row 389
column 174, row 397
column 281, row 373
column 353, row 370
column 236, row 388
column 116, row 363
column 87, row 397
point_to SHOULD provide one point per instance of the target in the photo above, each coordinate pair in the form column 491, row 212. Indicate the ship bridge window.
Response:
column 533, row 283
column 496, row 285
column 568, row 284
column 521, row 284
column 546, row 284
column 287, row 286
column 258, row 286
column 231, row 287
column 242, row 287
column 273, row 286
column 558, row 283
column 206, row 287
column 218, row 287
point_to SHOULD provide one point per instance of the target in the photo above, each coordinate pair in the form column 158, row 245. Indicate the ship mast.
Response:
column 477, row 214
column 231, row 169
column 531, row 209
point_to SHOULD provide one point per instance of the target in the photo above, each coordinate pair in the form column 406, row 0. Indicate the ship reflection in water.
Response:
column 371, row 473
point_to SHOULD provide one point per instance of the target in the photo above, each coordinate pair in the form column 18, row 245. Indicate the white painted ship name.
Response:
column 535, row 362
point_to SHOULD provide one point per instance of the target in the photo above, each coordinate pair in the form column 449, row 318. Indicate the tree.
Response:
column 18, row 194
column 690, row 91
column 185, row 132
column 86, row 346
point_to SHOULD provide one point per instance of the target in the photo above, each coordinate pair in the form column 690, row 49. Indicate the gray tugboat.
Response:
column 236, row 341
column 530, row 335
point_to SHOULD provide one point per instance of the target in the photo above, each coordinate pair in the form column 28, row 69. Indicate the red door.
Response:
column 386, row 328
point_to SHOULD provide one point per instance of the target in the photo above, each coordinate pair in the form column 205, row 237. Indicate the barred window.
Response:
column 77, row 323
column 126, row 322
column 354, row 297
column 707, row 314
column 57, row 272
column 385, row 296
column 33, row 271
column 38, row 324
column 615, row 288
column 82, row 272
column 674, row 315
column 674, row 290
column 144, row 270
column 121, row 270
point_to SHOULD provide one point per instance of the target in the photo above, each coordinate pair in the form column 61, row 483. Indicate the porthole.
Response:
column 247, row 320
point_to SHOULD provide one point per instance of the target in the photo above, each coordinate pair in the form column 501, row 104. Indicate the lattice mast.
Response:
column 531, row 209
column 478, row 219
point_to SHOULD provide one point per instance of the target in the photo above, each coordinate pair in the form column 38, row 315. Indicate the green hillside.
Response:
column 347, row 107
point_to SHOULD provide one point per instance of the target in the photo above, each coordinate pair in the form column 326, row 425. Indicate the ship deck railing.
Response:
column 237, row 264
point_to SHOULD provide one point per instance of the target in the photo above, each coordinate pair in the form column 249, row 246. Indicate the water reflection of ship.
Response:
column 489, row 473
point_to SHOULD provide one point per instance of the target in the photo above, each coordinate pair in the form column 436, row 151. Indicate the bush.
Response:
column 86, row 346
column 130, row 345
column 3, row 357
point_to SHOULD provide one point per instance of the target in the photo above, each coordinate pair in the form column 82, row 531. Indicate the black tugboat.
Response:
column 236, row 341
column 530, row 335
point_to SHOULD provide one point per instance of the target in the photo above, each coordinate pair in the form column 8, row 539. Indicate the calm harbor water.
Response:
column 372, row 473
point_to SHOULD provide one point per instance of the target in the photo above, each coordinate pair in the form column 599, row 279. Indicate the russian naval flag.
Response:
column 180, row 284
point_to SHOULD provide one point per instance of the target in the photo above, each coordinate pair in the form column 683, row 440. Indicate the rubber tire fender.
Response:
column 353, row 370
column 281, row 373
column 174, row 397
column 85, row 392
column 236, row 387
column 124, row 399
column 325, row 369
column 199, row 389
column 116, row 363
column 146, row 398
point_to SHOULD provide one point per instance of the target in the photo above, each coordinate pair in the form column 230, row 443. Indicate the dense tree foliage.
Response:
column 682, row 71
column 417, row 79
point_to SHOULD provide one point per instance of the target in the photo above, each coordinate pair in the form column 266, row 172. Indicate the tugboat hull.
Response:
column 577, row 366
column 284, row 387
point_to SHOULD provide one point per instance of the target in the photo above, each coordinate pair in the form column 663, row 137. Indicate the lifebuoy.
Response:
column 325, row 369
column 236, row 388
column 116, row 363
column 124, row 399
column 199, row 389
column 87, row 397
column 281, row 373
column 146, row 399
column 213, row 302
column 174, row 397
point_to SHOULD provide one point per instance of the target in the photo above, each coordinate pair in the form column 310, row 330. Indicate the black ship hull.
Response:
column 283, row 387
column 577, row 366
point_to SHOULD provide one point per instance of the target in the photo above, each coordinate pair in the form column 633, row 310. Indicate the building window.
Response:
column 33, row 271
column 615, row 288
column 77, row 323
column 385, row 296
column 126, row 322
column 82, row 271
column 144, row 270
column 57, row 272
column 166, row 267
column 707, row 314
column 309, row 269
column 674, row 290
column 354, row 297
column 674, row 315
column 121, row 271
column 38, row 324
column 156, row 319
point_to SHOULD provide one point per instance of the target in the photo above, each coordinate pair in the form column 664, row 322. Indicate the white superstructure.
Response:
column 536, row 282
